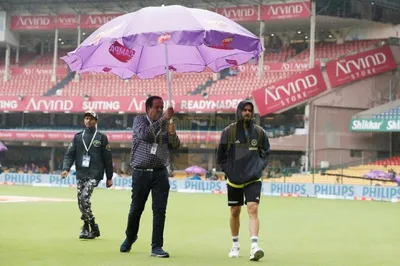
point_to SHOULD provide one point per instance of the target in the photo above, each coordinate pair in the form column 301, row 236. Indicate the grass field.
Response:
column 294, row 231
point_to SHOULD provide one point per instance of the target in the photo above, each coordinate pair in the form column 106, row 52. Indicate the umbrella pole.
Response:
column 168, row 77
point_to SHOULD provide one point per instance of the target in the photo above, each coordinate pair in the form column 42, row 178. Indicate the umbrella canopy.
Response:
column 154, row 40
column 195, row 170
column 3, row 147
column 371, row 175
column 378, row 174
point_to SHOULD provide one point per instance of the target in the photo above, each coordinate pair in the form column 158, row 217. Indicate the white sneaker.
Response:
column 256, row 254
column 234, row 252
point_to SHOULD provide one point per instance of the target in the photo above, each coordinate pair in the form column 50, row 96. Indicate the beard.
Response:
column 246, row 122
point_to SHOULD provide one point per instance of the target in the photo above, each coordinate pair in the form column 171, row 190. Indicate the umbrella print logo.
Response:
column 120, row 52
column 232, row 62
column 226, row 42
column 216, row 23
column 106, row 33
column 164, row 37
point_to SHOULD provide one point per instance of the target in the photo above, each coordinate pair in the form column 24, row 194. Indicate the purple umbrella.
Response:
column 370, row 175
column 196, row 170
column 385, row 175
column 154, row 40
column 3, row 147
column 380, row 174
column 397, row 179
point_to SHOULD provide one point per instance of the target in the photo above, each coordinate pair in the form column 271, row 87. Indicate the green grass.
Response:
column 294, row 231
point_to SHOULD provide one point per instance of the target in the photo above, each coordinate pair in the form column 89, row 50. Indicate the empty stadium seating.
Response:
column 333, row 50
column 390, row 114
column 109, row 84
column 182, row 84
column 244, row 82
column 23, row 85
column 24, row 58
column 282, row 55
column 393, row 161
column 360, row 170
column 331, row 179
column 47, row 59
column 351, row 175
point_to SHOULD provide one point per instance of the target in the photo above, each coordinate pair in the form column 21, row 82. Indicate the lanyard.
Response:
column 91, row 142
column 158, row 133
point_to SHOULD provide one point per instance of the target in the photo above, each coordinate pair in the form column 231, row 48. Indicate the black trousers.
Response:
column 142, row 183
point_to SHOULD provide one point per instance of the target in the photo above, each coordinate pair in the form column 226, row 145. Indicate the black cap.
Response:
column 91, row 113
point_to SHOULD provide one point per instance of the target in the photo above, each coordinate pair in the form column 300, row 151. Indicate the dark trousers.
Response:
column 142, row 183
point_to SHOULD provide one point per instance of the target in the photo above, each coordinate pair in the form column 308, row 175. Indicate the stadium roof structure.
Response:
column 53, row 7
column 37, row 6
column 291, row 26
column 33, row 5
column 81, row 6
column 390, row 4
column 323, row 23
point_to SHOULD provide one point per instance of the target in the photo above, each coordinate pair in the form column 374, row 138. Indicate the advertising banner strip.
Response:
column 325, row 191
column 66, row 21
column 375, row 125
column 268, row 12
column 35, row 71
column 186, row 137
column 117, row 104
column 291, row 66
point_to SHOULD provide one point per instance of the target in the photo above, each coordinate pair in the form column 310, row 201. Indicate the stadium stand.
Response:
column 24, row 58
column 23, row 85
column 47, row 59
column 239, row 81
column 109, row 84
column 393, row 113
column 244, row 82
column 393, row 161
column 282, row 55
column 333, row 50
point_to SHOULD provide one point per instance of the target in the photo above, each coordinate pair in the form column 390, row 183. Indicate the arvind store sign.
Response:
column 289, row 92
column 360, row 66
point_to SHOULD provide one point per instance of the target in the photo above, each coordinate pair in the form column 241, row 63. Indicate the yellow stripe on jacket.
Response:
column 242, row 185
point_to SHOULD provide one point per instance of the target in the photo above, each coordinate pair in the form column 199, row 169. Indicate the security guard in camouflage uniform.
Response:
column 91, row 153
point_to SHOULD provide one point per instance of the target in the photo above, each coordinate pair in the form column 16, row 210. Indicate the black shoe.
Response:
column 85, row 231
column 159, row 253
column 127, row 244
column 95, row 232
